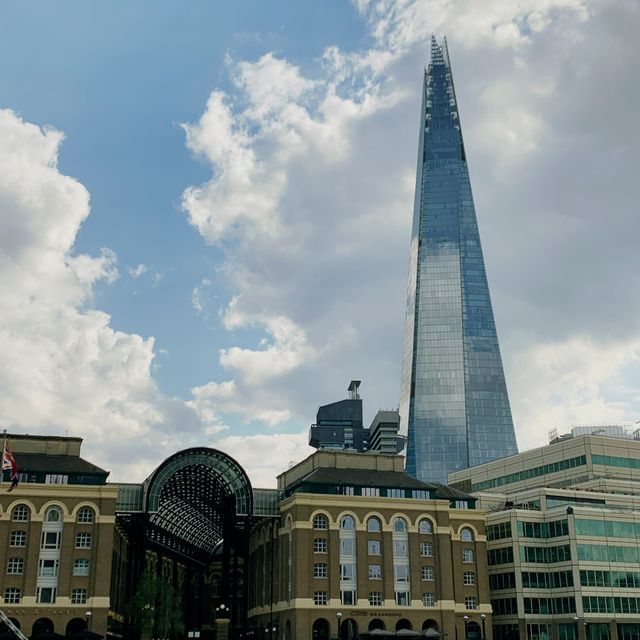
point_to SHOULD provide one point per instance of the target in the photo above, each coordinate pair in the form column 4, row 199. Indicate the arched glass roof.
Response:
column 193, row 494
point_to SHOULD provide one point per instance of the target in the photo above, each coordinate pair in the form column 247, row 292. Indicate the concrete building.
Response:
column 339, row 426
column 359, row 546
column 563, row 533
column 56, row 531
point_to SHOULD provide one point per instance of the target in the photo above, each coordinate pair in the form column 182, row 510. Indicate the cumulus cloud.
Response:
column 311, row 194
column 65, row 369
column 576, row 381
column 400, row 24
column 267, row 455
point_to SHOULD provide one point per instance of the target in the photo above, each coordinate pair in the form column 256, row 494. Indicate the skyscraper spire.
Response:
column 454, row 407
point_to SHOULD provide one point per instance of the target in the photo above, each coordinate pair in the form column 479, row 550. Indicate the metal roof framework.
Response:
column 194, row 493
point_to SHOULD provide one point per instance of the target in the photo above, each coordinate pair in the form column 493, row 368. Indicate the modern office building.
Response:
column 454, row 407
column 383, row 432
column 56, row 533
column 563, row 532
column 339, row 426
column 360, row 546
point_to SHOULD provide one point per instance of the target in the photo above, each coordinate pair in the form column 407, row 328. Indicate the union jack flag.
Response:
column 9, row 464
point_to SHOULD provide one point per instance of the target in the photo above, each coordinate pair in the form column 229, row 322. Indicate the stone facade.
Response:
column 350, row 560
column 56, row 540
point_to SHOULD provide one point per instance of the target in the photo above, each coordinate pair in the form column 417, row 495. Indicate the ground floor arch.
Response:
column 320, row 629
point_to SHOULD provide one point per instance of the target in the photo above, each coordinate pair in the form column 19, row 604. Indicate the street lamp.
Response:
column 483, row 617
column 466, row 620
column 222, row 611
column 339, row 617
column 87, row 620
column 575, row 626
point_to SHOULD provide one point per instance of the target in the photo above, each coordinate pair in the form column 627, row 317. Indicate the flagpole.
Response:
column 4, row 451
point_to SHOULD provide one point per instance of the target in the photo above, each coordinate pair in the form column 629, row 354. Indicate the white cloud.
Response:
column 264, row 456
column 138, row 270
column 283, row 352
column 330, row 157
column 65, row 369
column 399, row 24
column 245, row 190
column 567, row 383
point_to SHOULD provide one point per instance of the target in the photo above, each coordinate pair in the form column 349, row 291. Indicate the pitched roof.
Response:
column 387, row 479
column 46, row 463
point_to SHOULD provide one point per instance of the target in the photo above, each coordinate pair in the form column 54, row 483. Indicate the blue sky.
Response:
column 250, row 171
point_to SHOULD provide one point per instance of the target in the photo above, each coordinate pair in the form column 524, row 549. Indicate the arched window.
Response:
column 376, row 623
column 399, row 525
column 53, row 514
column 41, row 626
column 373, row 525
column 466, row 535
column 21, row 513
column 86, row 515
column 347, row 523
column 425, row 526
column 320, row 629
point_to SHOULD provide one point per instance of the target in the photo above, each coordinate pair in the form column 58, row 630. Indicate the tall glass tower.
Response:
column 454, row 407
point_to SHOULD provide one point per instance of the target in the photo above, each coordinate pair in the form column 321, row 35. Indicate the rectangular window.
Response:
column 375, row 572
column 320, row 570
column 48, row 568
column 50, row 540
column 470, row 602
column 346, row 491
column 370, row 491
column 467, row 555
column 347, row 547
column 400, row 549
column 469, row 578
column 56, row 478
column 81, row 567
column 402, row 598
column 348, row 597
column 395, row 493
column 347, row 571
column 83, row 540
column 46, row 595
column 18, row 539
column 429, row 599
column 401, row 573
column 320, row 545
column 78, row 596
column 426, row 549
column 15, row 566
column 320, row 597
column 373, row 547
column 20, row 513
column 375, row 599
column 86, row 515
column 426, row 573
column 12, row 595
column 419, row 494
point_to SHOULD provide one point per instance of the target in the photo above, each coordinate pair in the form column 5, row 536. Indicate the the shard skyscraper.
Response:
column 454, row 407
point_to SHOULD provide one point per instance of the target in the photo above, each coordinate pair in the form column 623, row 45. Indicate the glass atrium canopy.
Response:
column 195, row 496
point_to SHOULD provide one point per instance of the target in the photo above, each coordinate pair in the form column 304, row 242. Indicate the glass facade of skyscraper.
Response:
column 454, row 407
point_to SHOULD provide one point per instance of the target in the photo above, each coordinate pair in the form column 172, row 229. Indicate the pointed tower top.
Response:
column 437, row 56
